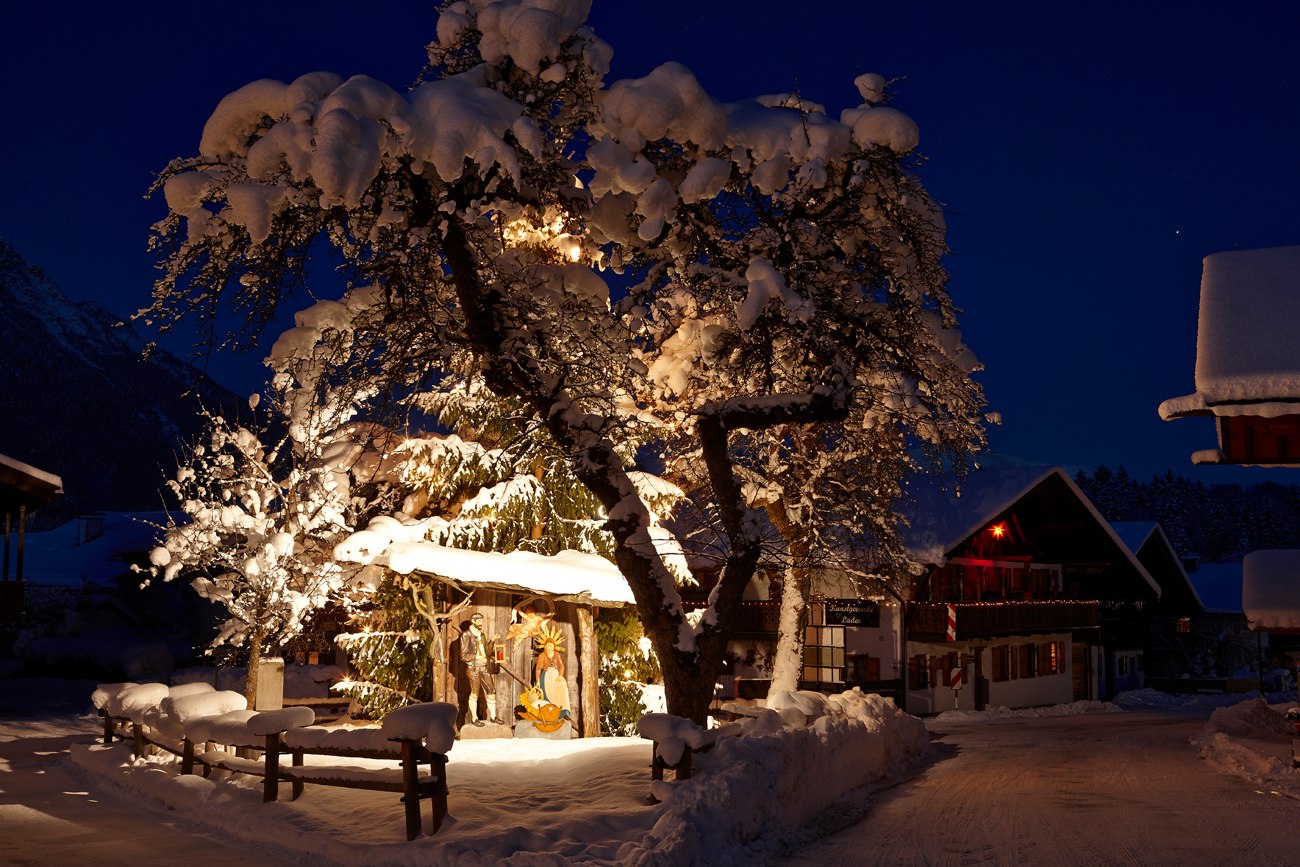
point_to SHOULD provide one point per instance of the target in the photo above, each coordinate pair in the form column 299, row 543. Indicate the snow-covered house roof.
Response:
column 24, row 485
column 1270, row 590
column 61, row 557
column 1148, row 542
column 1247, row 362
column 568, row 576
column 941, row 522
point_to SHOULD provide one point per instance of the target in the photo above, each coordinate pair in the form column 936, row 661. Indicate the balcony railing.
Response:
column 929, row 620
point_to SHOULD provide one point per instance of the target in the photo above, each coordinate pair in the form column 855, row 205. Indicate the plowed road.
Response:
column 1100, row 789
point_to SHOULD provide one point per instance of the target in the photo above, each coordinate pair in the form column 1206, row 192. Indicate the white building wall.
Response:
column 1040, row 690
column 880, row 642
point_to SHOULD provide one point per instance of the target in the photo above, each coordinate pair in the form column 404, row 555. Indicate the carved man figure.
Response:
column 476, row 654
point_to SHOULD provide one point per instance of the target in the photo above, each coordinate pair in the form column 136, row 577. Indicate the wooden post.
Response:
column 22, row 530
column 187, row 757
column 411, row 788
column 589, row 672
column 297, row 784
column 438, row 763
column 271, row 780
column 137, row 736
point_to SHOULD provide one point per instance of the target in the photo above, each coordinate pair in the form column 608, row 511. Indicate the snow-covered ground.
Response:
column 531, row 801
column 541, row 802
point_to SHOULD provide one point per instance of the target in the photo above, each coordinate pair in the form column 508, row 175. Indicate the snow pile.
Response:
column 1248, row 719
column 771, row 774
column 1252, row 739
column 1150, row 699
column 993, row 714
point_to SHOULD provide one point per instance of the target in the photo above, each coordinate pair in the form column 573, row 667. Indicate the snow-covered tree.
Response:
column 779, row 267
column 254, row 537
column 261, row 511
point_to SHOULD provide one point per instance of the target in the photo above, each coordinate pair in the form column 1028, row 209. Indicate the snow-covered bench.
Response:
column 215, row 730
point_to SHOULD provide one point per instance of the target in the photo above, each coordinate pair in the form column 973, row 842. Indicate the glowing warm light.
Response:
column 998, row 530
column 546, row 237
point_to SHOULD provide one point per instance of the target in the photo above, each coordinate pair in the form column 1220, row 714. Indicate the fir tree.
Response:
column 497, row 484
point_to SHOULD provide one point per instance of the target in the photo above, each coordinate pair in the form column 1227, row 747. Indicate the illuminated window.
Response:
column 1051, row 657
column 1184, row 626
column 823, row 649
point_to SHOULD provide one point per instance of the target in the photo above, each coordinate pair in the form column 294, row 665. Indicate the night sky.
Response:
column 1087, row 159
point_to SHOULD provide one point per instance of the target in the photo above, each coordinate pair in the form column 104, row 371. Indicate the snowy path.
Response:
column 1103, row 789
column 51, row 815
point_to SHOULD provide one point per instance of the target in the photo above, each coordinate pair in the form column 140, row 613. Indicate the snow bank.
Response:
column 1073, row 708
column 1251, row 739
column 765, row 779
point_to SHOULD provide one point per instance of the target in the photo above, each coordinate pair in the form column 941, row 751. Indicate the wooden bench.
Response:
column 406, row 779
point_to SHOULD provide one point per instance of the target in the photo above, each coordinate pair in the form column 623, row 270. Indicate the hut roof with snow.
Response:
column 1247, row 365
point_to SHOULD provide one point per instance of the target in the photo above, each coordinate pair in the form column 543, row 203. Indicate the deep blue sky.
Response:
column 1088, row 159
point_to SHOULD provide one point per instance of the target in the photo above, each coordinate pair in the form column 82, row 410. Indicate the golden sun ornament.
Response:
column 549, row 634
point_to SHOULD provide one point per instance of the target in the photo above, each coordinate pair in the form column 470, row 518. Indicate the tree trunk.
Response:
column 588, row 673
column 688, row 684
column 788, row 659
column 690, row 675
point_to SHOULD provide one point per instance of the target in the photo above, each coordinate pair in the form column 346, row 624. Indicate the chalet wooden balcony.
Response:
column 928, row 621
column 755, row 619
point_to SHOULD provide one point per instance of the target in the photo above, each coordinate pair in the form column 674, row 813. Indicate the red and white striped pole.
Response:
column 952, row 622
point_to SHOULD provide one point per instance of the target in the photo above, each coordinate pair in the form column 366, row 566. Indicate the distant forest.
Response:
column 1214, row 523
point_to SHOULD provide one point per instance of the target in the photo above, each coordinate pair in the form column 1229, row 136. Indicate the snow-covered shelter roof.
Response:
column 1270, row 590
column 941, row 522
column 1246, row 357
column 569, row 575
column 24, row 485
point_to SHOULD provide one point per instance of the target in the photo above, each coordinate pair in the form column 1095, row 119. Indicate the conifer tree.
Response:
column 497, row 484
